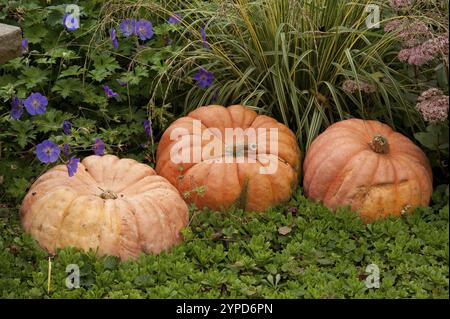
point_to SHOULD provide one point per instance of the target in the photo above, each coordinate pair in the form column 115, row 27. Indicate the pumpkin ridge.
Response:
column 271, row 189
column 411, row 160
column 201, row 119
column 418, row 155
column 116, row 171
column 397, row 181
column 171, row 224
column 108, row 169
column 63, row 217
column 317, row 150
column 124, row 221
column 347, row 174
column 317, row 170
column 205, row 181
column 123, row 189
column 172, row 142
column 242, row 108
column 29, row 220
column 40, row 201
column 412, row 170
column 58, row 172
column 173, row 193
column 138, row 204
column 322, row 141
column 353, row 127
column 101, row 220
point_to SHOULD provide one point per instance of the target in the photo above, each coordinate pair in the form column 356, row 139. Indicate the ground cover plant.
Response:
column 111, row 77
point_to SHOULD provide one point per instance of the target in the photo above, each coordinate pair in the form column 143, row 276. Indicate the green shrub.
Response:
column 290, row 59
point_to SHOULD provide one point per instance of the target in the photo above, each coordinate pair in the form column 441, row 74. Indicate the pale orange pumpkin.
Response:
column 118, row 206
column 226, row 176
column 366, row 165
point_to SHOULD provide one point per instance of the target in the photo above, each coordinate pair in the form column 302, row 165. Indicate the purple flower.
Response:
column 144, row 29
column 128, row 27
column 426, row 52
column 203, row 34
column 66, row 150
column 204, row 78
column 109, row 93
column 175, row 19
column 16, row 108
column 114, row 40
column 400, row 4
column 433, row 106
column 121, row 83
column 24, row 45
column 72, row 166
column 71, row 22
column 99, row 146
column 36, row 103
column 148, row 128
column 47, row 152
column 409, row 32
column 351, row 86
column 67, row 126
column 214, row 96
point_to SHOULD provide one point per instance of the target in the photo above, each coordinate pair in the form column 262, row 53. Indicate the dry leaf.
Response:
column 284, row 230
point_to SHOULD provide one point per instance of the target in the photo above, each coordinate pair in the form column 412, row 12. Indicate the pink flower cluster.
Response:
column 351, row 86
column 410, row 33
column 400, row 4
column 433, row 106
column 425, row 52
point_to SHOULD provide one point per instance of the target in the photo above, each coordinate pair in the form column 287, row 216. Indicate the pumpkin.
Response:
column 252, row 169
column 368, row 166
column 118, row 206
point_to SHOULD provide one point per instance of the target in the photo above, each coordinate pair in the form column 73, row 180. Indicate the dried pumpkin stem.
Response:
column 108, row 194
column 380, row 144
column 240, row 149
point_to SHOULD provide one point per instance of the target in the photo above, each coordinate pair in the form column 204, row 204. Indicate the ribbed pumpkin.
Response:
column 366, row 165
column 118, row 206
column 213, row 182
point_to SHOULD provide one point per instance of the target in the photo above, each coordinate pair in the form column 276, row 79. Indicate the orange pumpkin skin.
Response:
column 225, row 184
column 366, row 165
column 118, row 206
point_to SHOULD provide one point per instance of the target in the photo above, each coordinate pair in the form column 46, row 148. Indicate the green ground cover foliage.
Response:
column 297, row 251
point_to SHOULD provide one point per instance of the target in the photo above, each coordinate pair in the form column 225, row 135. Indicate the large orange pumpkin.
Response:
column 118, row 206
column 229, row 174
column 366, row 165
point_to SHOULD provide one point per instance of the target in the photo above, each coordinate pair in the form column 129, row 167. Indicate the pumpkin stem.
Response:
column 108, row 194
column 379, row 144
column 240, row 149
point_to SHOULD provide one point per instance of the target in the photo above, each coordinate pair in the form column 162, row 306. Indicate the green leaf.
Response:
column 435, row 138
column 135, row 76
column 23, row 131
column 34, row 76
column 67, row 87
column 111, row 262
column 104, row 65
column 62, row 53
column 50, row 121
column 19, row 186
column 73, row 70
